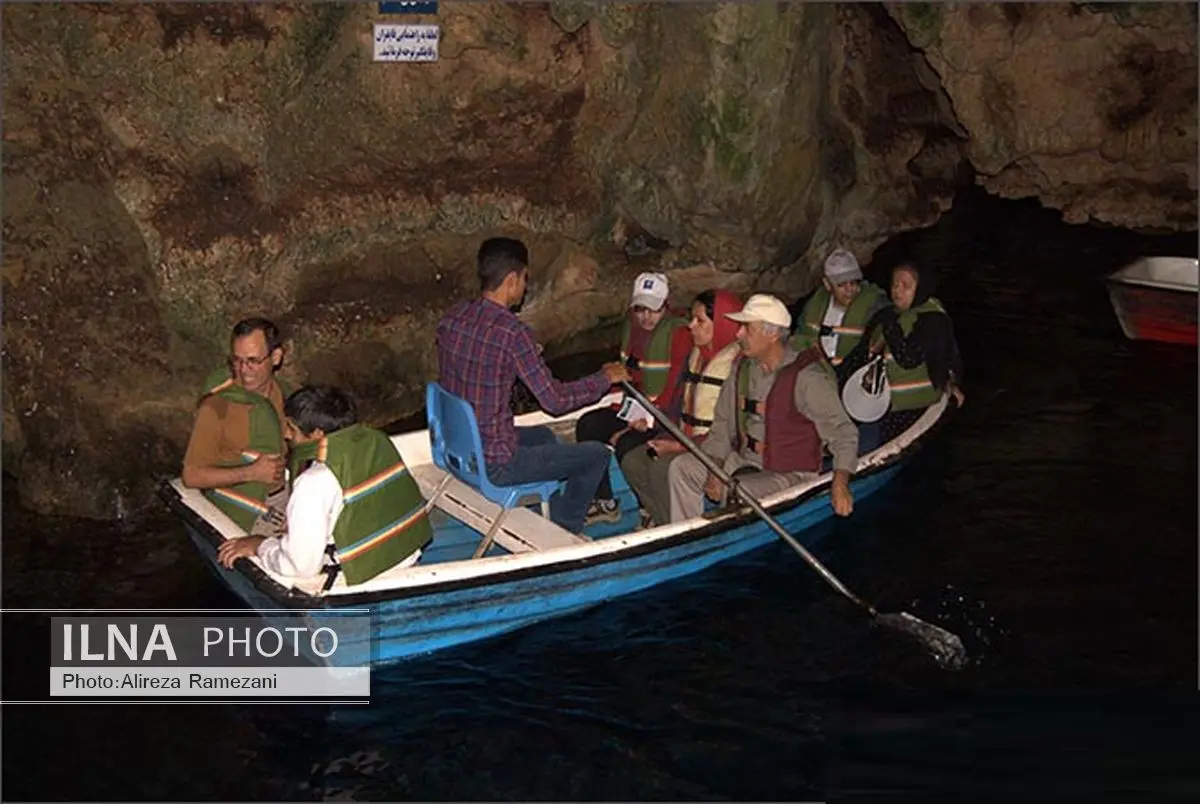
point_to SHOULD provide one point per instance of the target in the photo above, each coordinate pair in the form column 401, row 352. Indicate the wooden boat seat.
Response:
column 564, row 430
column 522, row 531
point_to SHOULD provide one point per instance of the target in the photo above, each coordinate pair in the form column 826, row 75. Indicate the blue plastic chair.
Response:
column 458, row 450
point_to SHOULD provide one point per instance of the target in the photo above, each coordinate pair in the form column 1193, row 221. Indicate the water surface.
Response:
column 1052, row 525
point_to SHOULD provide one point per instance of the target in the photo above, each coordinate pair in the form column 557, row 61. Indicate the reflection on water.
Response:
column 1052, row 526
column 969, row 619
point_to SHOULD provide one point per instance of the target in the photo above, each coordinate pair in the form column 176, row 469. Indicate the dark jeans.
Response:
column 541, row 457
column 600, row 425
column 870, row 436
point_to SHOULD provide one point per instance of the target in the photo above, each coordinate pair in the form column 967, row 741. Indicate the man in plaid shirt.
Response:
column 482, row 348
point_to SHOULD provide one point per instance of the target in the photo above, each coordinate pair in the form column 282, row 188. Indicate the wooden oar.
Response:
column 947, row 649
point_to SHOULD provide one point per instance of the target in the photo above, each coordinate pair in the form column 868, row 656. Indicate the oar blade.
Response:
column 947, row 648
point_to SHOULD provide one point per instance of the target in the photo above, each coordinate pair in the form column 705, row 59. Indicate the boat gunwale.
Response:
column 1125, row 276
column 714, row 524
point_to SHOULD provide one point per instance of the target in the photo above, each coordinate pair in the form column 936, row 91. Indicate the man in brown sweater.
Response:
column 236, row 453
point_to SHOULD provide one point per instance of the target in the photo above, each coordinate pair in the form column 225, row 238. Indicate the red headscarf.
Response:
column 724, row 330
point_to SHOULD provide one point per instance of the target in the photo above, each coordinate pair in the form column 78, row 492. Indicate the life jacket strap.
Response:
column 332, row 569
column 692, row 377
column 754, row 444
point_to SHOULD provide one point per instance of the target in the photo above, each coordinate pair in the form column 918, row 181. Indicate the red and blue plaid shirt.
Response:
column 482, row 348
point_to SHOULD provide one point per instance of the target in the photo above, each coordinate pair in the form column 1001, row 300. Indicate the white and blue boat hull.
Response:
column 458, row 602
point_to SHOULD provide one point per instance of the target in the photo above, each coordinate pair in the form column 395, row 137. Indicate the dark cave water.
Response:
column 1052, row 525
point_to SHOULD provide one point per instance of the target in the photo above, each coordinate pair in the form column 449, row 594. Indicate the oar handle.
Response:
column 742, row 494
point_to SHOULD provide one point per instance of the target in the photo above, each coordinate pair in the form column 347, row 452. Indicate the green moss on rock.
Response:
column 317, row 32
column 571, row 15
column 724, row 126
column 925, row 21
column 199, row 332
column 618, row 23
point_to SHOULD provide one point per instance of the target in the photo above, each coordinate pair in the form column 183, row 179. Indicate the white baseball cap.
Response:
column 650, row 291
column 765, row 308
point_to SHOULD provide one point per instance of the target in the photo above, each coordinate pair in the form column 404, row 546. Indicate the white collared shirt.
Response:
column 834, row 314
column 313, row 509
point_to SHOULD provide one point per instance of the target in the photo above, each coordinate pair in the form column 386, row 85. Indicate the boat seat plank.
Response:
column 522, row 531
column 564, row 430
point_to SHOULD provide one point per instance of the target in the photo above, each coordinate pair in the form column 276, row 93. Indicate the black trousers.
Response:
column 600, row 425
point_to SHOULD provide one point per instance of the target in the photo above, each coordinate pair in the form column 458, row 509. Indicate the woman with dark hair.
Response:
column 916, row 338
column 714, row 349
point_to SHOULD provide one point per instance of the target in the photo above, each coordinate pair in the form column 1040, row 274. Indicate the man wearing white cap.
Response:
column 771, row 419
column 836, row 314
column 654, row 343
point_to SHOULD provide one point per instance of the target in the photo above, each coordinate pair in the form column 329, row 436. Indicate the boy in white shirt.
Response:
column 356, row 501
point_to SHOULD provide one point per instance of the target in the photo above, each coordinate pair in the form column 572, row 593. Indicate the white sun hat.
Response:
column 866, row 394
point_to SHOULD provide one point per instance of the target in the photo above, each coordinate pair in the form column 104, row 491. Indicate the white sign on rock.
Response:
column 394, row 42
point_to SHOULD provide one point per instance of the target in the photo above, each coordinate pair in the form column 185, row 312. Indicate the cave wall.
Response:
column 1090, row 107
column 169, row 169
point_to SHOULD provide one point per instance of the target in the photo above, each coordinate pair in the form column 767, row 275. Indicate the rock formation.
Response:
column 171, row 168
column 1091, row 107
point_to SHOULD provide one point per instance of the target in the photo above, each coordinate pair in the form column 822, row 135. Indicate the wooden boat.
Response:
column 1155, row 299
column 535, row 570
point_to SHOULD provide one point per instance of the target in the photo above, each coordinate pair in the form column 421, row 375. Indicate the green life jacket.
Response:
column 383, row 519
column 869, row 299
column 244, row 502
column 911, row 389
column 651, row 374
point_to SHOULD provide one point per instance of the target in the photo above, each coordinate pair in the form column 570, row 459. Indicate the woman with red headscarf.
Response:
column 714, row 348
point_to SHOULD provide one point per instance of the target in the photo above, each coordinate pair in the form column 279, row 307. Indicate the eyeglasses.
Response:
column 248, row 362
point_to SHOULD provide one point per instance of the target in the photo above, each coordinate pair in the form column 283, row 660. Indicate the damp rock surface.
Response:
column 171, row 168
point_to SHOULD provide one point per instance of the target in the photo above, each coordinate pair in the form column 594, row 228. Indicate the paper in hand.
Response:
column 632, row 411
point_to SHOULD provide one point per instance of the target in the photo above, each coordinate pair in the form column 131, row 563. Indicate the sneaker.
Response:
column 603, row 511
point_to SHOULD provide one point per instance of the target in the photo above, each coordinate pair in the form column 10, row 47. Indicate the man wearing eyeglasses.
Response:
column 236, row 453
column 836, row 314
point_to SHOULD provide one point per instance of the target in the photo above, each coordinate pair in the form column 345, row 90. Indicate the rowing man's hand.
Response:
column 617, row 373
column 842, row 499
